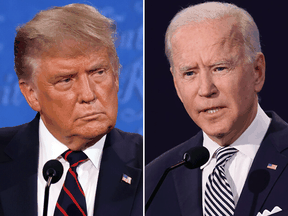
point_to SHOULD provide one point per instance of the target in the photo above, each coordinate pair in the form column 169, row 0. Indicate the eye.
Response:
column 189, row 73
column 220, row 69
column 98, row 72
column 66, row 80
column 64, row 84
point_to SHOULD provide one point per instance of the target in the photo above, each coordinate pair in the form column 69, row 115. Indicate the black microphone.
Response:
column 256, row 186
column 193, row 158
column 52, row 173
column 196, row 157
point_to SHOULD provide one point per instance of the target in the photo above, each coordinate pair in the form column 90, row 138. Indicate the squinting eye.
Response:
column 66, row 80
column 220, row 68
column 98, row 72
column 189, row 73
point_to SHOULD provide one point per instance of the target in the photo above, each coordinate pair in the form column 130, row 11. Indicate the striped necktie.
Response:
column 71, row 201
column 218, row 199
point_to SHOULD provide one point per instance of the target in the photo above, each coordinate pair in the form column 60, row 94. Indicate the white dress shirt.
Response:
column 51, row 148
column 237, row 168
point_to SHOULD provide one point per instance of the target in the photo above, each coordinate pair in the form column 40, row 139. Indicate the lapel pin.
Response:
column 272, row 166
column 126, row 178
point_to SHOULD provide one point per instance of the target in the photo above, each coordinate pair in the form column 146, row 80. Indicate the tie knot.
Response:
column 74, row 157
column 223, row 154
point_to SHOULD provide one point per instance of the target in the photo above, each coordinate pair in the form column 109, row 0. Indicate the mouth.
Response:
column 90, row 116
column 212, row 110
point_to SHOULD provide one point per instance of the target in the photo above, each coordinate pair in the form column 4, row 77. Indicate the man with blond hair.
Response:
column 67, row 67
column 218, row 70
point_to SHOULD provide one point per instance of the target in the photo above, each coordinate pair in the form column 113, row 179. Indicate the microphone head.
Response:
column 196, row 157
column 54, row 169
column 256, row 186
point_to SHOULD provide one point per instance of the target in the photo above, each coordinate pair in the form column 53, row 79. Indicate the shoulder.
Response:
column 175, row 154
column 7, row 133
column 12, row 137
column 277, row 123
column 128, row 146
column 126, row 140
column 277, row 133
column 156, row 168
column 130, row 137
column 171, row 157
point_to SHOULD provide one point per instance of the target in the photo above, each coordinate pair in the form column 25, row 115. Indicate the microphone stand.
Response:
column 193, row 158
column 46, row 197
column 52, row 172
column 161, row 181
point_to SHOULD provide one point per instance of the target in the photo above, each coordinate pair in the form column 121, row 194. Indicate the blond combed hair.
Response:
column 49, row 28
column 216, row 10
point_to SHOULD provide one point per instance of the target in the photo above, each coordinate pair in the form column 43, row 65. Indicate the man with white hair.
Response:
column 67, row 66
column 218, row 70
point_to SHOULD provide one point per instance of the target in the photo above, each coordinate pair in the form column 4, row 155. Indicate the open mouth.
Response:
column 212, row 110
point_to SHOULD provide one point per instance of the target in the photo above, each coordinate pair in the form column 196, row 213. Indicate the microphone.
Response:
column 256, row 186
column 196, row 157
column 193, row 158
column 52, row 173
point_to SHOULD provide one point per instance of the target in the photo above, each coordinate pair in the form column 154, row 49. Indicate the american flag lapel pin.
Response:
column 126, row 179
column 272, row 166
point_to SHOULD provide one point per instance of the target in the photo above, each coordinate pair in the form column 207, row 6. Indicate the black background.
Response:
column 166, row 122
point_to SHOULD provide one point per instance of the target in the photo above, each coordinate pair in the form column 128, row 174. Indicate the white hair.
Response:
column 216, row 10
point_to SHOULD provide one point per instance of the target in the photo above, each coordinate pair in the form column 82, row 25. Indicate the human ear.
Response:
column 259, row 71
column 117, row 82
column 29, row 91
column 175, row 83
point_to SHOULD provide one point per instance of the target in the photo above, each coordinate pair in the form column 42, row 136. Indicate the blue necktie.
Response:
column 71, row 201
column 218, row 195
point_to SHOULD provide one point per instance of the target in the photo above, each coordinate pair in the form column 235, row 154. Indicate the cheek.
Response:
column 187, row 94
column 238, row 93
column 107, row 94
column 59, row 105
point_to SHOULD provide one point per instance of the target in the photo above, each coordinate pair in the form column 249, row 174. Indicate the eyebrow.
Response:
column 187, row 68
column 220, row 62
column 63, row 74
column 68, row 73
column 224, row 61
column 96, row 66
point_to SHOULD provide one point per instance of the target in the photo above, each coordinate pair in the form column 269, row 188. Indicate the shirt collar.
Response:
column 249, row 141
column 52, row 148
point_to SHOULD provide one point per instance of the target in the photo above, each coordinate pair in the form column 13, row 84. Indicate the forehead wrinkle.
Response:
column 228, row 43
column 233, row 38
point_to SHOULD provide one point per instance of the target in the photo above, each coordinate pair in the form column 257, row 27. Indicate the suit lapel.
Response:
column 260, row 180
column 188, row 184
column 113, row 194
column 20, row 184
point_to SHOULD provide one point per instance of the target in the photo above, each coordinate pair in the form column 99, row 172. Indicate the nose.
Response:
column 207, row 87
column 86, row 90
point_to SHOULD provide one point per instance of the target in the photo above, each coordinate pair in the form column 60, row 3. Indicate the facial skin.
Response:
column 76, row 97
column 214, row 80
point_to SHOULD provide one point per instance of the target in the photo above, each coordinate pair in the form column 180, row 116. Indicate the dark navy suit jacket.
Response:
column 19, row 149
column 181, row 192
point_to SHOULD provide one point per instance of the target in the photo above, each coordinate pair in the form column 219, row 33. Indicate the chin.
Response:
column 216, row 132
column 91, row 131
